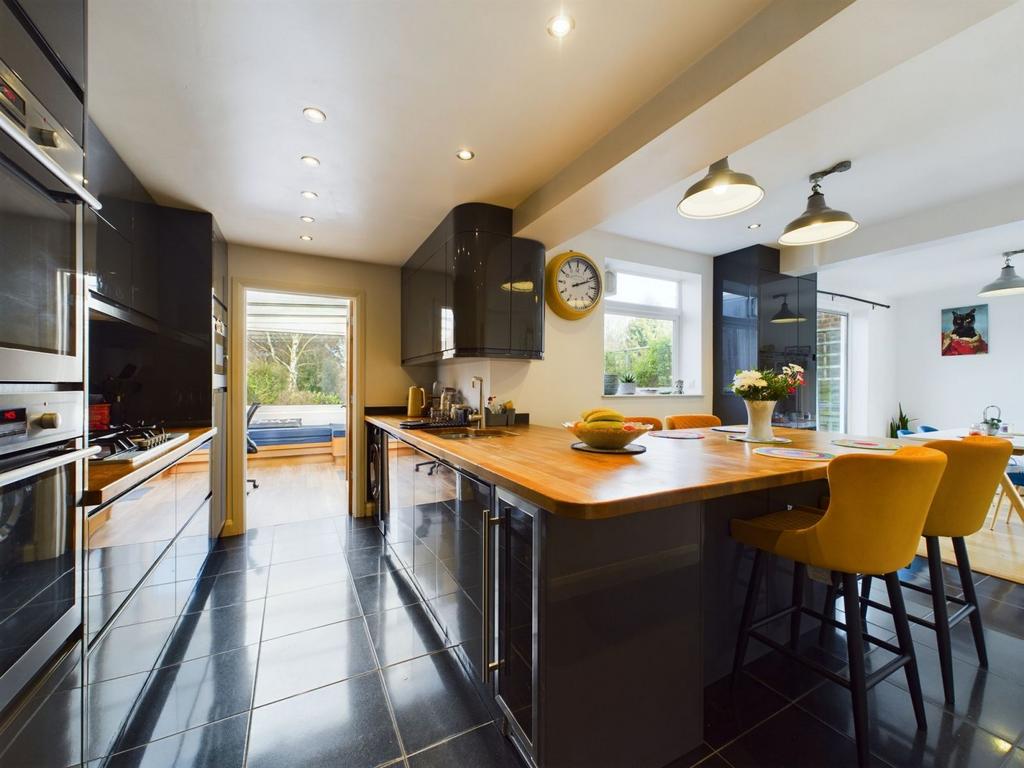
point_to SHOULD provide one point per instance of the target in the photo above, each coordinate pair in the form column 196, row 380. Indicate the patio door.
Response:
column 832, row 380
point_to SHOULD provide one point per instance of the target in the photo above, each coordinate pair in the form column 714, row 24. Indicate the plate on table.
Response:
column 632, row 448
column 676, row 434
column 798, row 454
column 773, row 441
column 734, row 430
column 870, row 445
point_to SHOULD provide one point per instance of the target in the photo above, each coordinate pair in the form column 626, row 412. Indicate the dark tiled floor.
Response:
column 288, row 654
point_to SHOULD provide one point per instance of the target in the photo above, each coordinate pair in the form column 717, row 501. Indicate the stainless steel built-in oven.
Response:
column 41, row 453
column 40, row 240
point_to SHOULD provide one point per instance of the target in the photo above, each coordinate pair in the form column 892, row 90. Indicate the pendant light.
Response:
column 785, row 314
column 819, row 223
column 1008, row 283
column 722, row 192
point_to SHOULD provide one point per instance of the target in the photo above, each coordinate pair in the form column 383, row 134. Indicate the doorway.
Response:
column 832, row 379
column 297, row 406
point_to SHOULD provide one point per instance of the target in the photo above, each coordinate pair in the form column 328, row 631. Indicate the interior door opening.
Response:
column 297, row 397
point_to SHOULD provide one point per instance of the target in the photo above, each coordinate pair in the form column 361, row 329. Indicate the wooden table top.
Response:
column 539, row 465
column 107, row 481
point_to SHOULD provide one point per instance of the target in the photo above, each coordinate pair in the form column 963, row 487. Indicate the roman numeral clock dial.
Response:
column 573, row 285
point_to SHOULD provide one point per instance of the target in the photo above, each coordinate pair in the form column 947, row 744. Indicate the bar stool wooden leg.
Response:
column 906, row 643
column 865, row 595
column 963, row 564
column 855, row 653
column 756, row 574
column 830, row 608
column 799, row 577
column 941, row 616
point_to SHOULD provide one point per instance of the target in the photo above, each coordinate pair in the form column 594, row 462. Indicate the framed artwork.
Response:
column 965, row 330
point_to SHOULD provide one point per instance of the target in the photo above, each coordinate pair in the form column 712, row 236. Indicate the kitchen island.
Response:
column 605, row 589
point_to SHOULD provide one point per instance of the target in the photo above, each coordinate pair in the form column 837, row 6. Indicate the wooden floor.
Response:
column 292, row 489
column 997, row 552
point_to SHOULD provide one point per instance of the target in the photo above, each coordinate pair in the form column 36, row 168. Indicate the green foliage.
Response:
column 901, row 421
column 306, row 397
column 639, row 347
column 627, row 378
column 265, row 382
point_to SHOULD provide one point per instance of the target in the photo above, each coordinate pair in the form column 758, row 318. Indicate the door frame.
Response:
column 354, row 421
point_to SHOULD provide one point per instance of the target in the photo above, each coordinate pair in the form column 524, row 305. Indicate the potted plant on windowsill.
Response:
column 760, row 391
column 627, row 384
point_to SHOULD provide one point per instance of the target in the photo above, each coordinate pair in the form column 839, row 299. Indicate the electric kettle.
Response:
column 417, row 402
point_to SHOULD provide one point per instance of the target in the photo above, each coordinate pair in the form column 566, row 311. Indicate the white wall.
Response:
column 569, row 378
column 952, row 391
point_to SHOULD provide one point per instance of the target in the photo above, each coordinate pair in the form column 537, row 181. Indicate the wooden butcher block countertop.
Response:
column 539, row 465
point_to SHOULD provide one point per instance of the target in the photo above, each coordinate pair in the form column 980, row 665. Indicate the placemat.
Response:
column 676, row 434
column 740, row 429
column 774, row 440
column 797, row 454
column 870, row 445
column 632, row 448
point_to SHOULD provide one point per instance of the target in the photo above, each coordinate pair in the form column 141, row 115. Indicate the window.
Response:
column 832, row 375
column 643, row 327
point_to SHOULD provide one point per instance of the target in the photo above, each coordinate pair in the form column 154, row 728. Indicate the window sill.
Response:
column 659, row 397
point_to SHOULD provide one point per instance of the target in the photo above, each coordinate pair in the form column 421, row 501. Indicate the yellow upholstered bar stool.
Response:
column 872, row 525
column 693, row 421
column 974, row 466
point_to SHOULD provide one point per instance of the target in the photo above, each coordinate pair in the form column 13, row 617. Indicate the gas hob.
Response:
column 134, row 445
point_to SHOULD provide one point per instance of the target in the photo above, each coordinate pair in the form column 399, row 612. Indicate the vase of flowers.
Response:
column 760, row 391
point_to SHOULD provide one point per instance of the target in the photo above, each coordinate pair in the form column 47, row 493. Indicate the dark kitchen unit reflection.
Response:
column 473, row 290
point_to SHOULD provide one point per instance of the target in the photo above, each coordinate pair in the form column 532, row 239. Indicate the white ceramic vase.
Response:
column 759, row 419
column 627, row 387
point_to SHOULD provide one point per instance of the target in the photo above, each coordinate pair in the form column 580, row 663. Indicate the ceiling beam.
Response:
column 790, row 59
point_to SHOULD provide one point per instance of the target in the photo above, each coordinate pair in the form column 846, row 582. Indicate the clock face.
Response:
column 578, row 283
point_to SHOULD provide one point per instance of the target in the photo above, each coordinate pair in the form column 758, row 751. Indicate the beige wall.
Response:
column 386, row 382
column 569, row 378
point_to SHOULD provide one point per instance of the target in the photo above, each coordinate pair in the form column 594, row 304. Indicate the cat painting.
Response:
column 965, row 331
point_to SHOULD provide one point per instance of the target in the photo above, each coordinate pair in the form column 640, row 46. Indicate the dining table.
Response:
column 1015, row 438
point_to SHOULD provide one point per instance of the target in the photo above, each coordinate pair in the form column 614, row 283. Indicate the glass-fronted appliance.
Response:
column 41, row 452
column 40, row 240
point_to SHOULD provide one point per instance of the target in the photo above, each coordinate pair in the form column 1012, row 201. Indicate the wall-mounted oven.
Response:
column 41, row 453
column 41, row 314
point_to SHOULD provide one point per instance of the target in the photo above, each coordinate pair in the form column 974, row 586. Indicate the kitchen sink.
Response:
column 471, row 433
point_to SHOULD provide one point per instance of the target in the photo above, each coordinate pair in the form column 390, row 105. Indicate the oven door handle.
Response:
column 55, row 462
column 11, row 129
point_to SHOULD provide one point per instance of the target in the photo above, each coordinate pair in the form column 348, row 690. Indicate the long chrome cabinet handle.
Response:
column 31, row 470
column 485, row 602
column 11, row 129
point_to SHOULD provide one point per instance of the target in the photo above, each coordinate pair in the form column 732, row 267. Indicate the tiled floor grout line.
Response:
column 452, row 737
column 256, row 672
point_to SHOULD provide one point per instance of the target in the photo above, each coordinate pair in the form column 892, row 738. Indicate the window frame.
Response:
column 675, row 315
column 844, row 369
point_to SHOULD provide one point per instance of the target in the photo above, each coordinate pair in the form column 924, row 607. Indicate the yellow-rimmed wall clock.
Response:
column 572, row 285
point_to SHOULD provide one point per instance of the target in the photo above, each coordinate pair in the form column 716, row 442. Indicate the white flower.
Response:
column 759, row 382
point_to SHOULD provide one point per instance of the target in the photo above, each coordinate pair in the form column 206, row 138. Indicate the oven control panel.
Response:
column 32, row 419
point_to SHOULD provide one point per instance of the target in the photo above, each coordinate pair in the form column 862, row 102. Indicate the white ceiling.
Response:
column 969, row 261
column 202, row 99
column 943, row 126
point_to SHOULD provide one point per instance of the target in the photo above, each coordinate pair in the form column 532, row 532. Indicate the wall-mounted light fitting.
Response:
column 785, row 314
column 1009, row 283
column 722, row 192
column 611, row 282
column 819, row 223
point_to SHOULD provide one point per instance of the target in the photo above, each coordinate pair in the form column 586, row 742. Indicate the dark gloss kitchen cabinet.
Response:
column 473, row 290
column 61, row 23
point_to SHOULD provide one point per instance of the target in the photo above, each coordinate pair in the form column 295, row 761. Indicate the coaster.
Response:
column 773, row 441
column 870, row 445
column 795, row 453
column 736, row 430
column 676, row 434
column 632, row 448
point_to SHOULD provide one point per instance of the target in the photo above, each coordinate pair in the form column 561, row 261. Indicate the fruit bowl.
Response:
column 607, row 436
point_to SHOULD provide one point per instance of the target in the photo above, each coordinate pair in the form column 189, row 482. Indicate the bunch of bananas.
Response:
column 603, row 418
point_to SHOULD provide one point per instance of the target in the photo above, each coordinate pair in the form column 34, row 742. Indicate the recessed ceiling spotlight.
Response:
column 307, row 238
column 753, row 226
column 311, row 161
column 465, row 154
column 314, row 115
column 561, row 25
column 307, row 219
column 309, row 195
